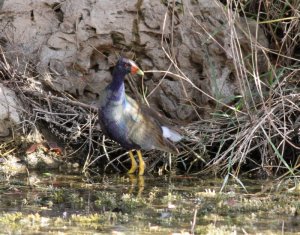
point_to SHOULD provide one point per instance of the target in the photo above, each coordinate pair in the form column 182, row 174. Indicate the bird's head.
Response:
column 127, row 66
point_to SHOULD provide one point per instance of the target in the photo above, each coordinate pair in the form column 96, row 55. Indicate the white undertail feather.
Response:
column 170, row 134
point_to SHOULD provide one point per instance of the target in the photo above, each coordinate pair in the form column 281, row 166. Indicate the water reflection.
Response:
column 129, row 204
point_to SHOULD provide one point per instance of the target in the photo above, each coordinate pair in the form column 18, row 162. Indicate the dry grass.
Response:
column 258, row 133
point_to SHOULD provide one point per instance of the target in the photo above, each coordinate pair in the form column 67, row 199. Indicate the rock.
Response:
column 26, row 25
column 11, row 165
column 9, row 115
column 170, row 96
column 75, row 44
column 153, row 13
column 40, row 160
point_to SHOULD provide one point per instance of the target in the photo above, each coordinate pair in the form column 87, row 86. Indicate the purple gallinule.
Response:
column 133, row 125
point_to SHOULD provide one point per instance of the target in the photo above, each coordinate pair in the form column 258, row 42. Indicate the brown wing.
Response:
column 162, row 120
column 144, row 128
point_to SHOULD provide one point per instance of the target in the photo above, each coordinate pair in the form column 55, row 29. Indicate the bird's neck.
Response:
column 117, row 87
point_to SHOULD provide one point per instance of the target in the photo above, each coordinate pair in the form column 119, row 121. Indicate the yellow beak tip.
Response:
column 140, row 72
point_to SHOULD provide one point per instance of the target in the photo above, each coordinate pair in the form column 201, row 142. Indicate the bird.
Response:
column 135, row 126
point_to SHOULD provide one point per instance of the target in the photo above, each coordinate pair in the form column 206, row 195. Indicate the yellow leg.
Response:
column 142, row 163
column 133, row 163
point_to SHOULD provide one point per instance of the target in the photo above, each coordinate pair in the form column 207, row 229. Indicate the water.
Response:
column 118, row 204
